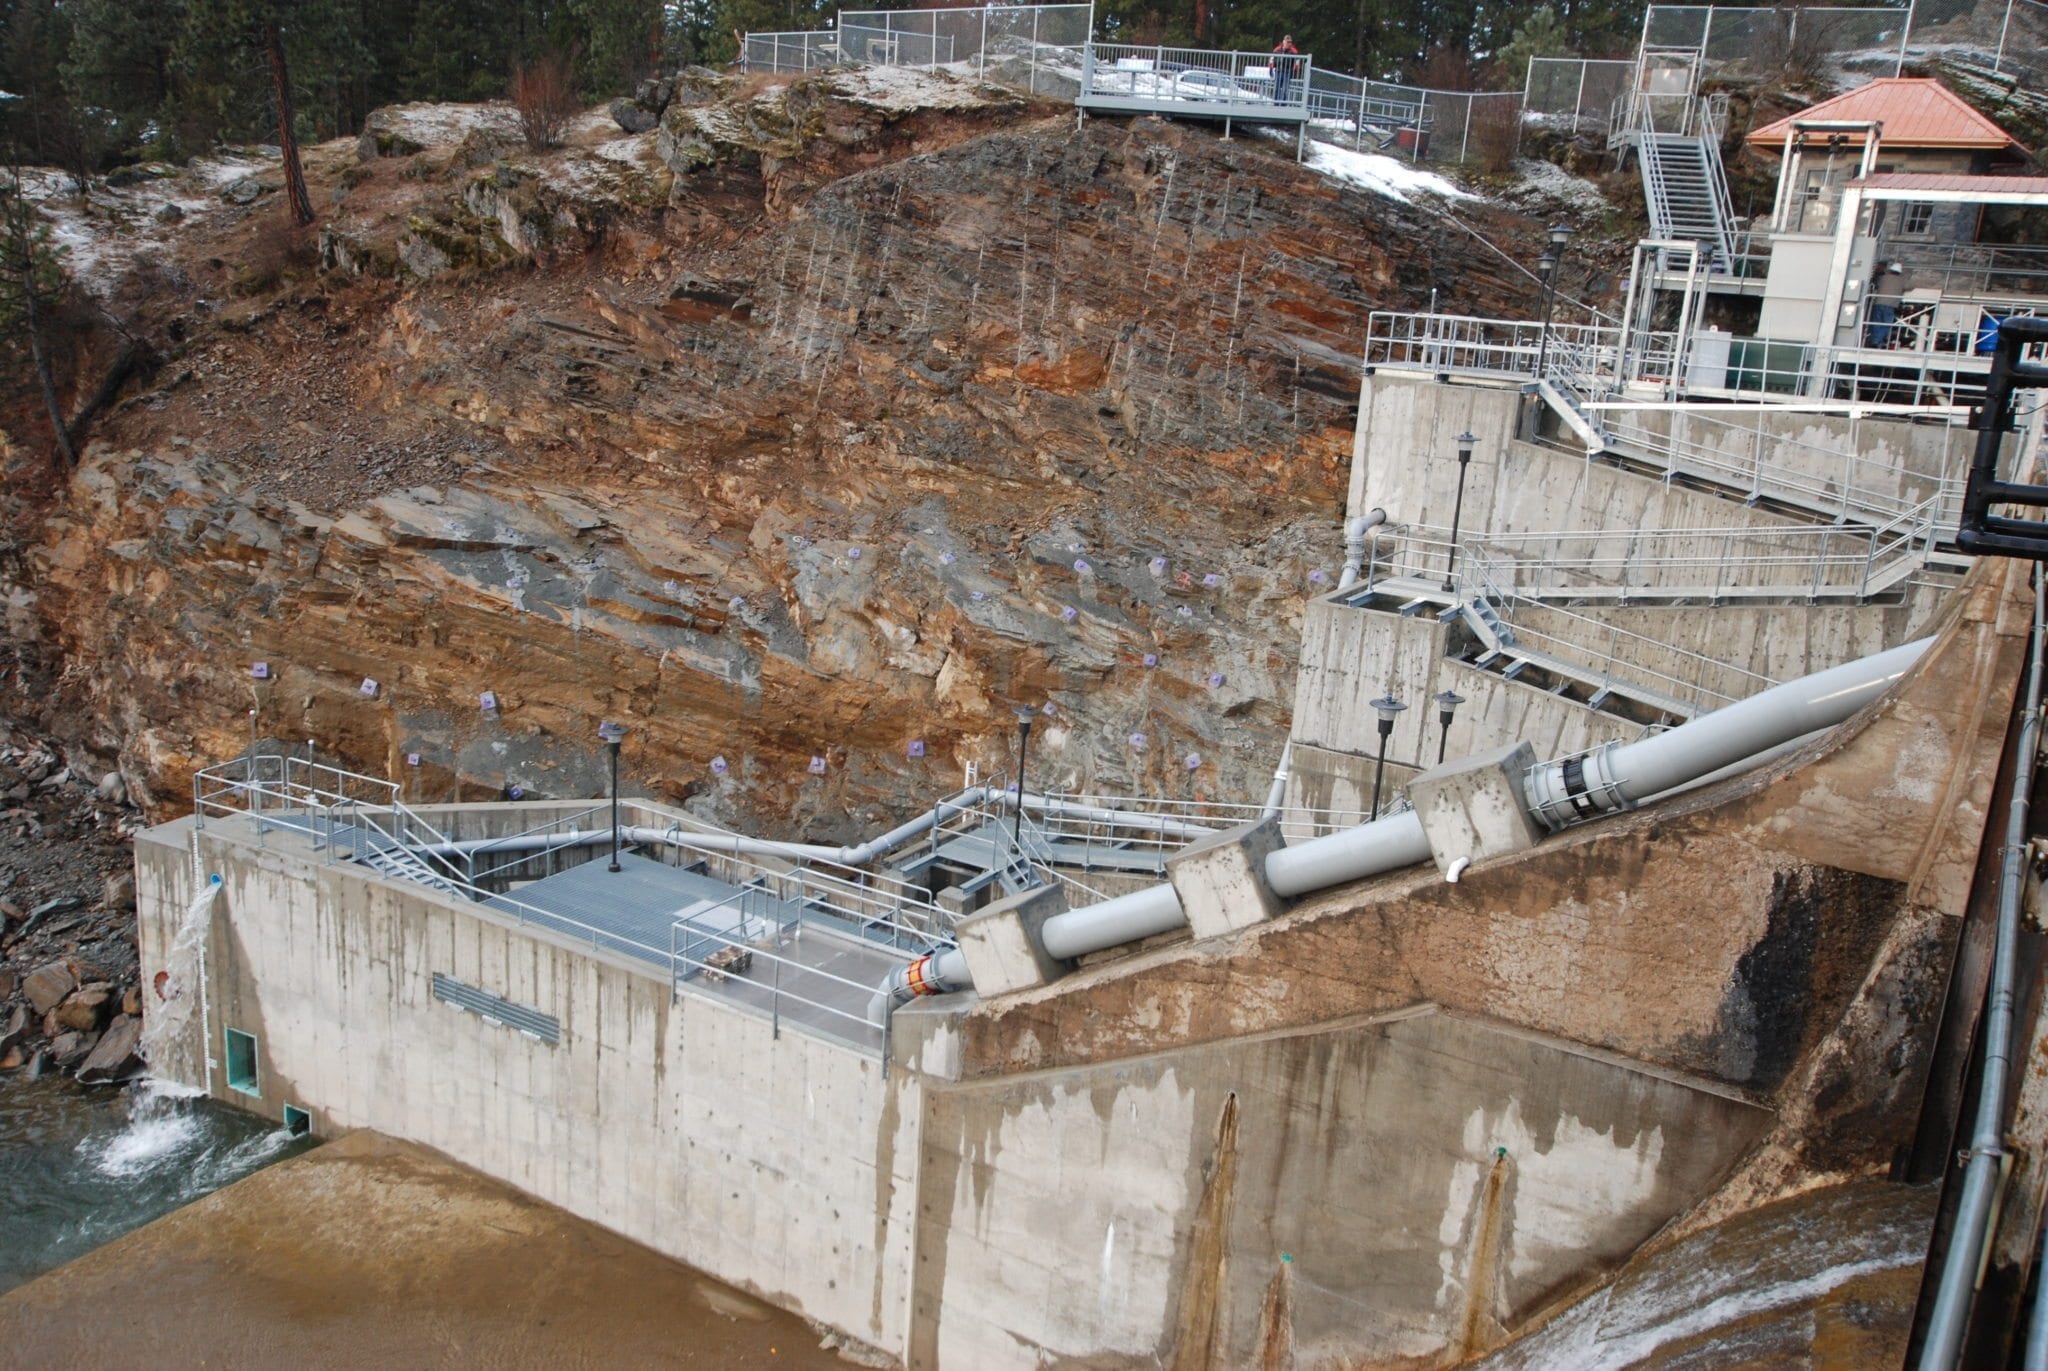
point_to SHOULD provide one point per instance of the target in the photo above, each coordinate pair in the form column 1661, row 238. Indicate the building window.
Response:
column 242, row 1062
column 1918, row 218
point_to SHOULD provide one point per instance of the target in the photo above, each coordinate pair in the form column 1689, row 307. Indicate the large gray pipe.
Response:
column 1561, row 792
column 1356, row 533
column 1615, row 778
column 1949, row 1319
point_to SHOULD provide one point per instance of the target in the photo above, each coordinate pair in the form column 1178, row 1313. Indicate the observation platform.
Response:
column 1195, row 83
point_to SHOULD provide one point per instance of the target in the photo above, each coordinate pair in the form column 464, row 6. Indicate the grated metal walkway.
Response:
column 629, row 911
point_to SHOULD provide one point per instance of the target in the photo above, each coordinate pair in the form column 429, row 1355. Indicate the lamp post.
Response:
column 1447, row 702
column 1386, row 706
column 1025, row 714
column 1546, row 268
column 1465, row 441
column 612, row 735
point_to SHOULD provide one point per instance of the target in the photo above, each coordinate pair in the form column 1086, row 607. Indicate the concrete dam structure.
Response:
column 1408, row 1119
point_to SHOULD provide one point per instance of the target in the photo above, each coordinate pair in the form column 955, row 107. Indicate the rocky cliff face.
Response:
column 806, row 434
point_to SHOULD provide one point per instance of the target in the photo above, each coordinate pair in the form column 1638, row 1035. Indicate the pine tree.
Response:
column 32, row 278
column 621, row 43
column 232, row 43
column 120, row 61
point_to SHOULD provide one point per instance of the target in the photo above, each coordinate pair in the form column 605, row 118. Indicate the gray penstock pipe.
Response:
column 1561, row 792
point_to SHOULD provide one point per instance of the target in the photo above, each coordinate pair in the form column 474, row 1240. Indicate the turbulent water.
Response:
column 80, row 1167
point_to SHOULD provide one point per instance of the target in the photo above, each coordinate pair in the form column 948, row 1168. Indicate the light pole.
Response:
column 1447, row 702
column 1387, row 707
column 1025, row 714
column 612, row 735
column 1546, row 267
column 1465, row 441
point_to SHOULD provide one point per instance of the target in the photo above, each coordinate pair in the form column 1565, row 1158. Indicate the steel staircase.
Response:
column 1687, row 192
column 402, row 863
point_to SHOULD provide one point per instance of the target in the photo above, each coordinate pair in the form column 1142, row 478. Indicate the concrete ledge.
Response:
column 1001, row 942
column 1473, row 808
column 1221, row 880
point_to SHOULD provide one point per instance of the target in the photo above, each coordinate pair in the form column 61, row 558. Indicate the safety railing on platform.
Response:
column 1586, row 355
column 1104, row 825
column 561, row 828
column 331, row 804
column 827, row 1003
column 1790, row 565
column 1195, row 81
column 894, row 911
column 1415, row 565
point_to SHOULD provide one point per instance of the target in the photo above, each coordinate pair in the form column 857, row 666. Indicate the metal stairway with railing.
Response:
column 1687, row 192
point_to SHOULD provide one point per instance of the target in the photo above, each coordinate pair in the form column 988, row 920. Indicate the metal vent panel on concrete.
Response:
column 498, row 1009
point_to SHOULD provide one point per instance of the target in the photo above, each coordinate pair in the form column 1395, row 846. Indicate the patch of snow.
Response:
column 1553, row 182
column 635, row 150
column 1380, row 174
column 103, row 230
column 437, row 125
column 900, row 90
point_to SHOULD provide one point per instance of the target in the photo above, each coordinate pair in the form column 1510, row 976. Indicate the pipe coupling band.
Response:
column 917, row 977
column 1575, row 788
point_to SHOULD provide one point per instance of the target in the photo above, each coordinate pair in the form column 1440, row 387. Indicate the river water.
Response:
column 80, row 1166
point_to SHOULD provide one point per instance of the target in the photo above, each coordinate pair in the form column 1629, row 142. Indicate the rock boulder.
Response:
column 116, row 1056
column 47, row 985
column 13, row 1029
column 67, row 1050
column 85, row 1010
column 634, row 117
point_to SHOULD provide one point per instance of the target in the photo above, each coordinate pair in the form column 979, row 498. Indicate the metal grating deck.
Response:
column 629, row 911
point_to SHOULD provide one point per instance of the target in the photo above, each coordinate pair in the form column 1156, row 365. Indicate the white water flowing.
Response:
column 169, row 1005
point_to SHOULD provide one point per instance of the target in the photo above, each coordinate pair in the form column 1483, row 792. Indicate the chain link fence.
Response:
column 1035, row 48
column 1411, row 122
column 1574, row 94
column 1757, row 42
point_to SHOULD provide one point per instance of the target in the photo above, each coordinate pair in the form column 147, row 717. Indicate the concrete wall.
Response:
column 782, row 1164
column 1405, row 461
column 1111, row 1213
column 1351, row 656
column 1368, row 1192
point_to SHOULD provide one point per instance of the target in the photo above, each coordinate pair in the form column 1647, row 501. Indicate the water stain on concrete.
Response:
column 372, row 1252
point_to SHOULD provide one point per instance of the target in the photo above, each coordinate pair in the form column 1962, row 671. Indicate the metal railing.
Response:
column 1631, row 566
column 1601, row 656
column 1766, row 465
column 559, row 827
column 1207, row 82
column 1587, row 361
column 336, row 805
column 1148, row 823
column 890, row 910
column 836, row 1005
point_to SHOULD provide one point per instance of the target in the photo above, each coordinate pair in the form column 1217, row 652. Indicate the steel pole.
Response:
column 1023, row 751
column 1379, row 767
column 614, row 747
column 1457, row 512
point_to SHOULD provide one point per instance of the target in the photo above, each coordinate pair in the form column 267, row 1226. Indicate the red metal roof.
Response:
column 1916, row 111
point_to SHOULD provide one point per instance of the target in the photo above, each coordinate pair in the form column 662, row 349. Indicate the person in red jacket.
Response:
column 1284, row 55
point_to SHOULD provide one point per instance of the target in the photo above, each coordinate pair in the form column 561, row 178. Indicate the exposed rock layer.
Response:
column 846, row 428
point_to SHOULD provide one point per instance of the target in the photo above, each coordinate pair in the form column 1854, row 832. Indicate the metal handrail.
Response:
column 862, row 990
column 1196, row 80
column 1595, row 654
